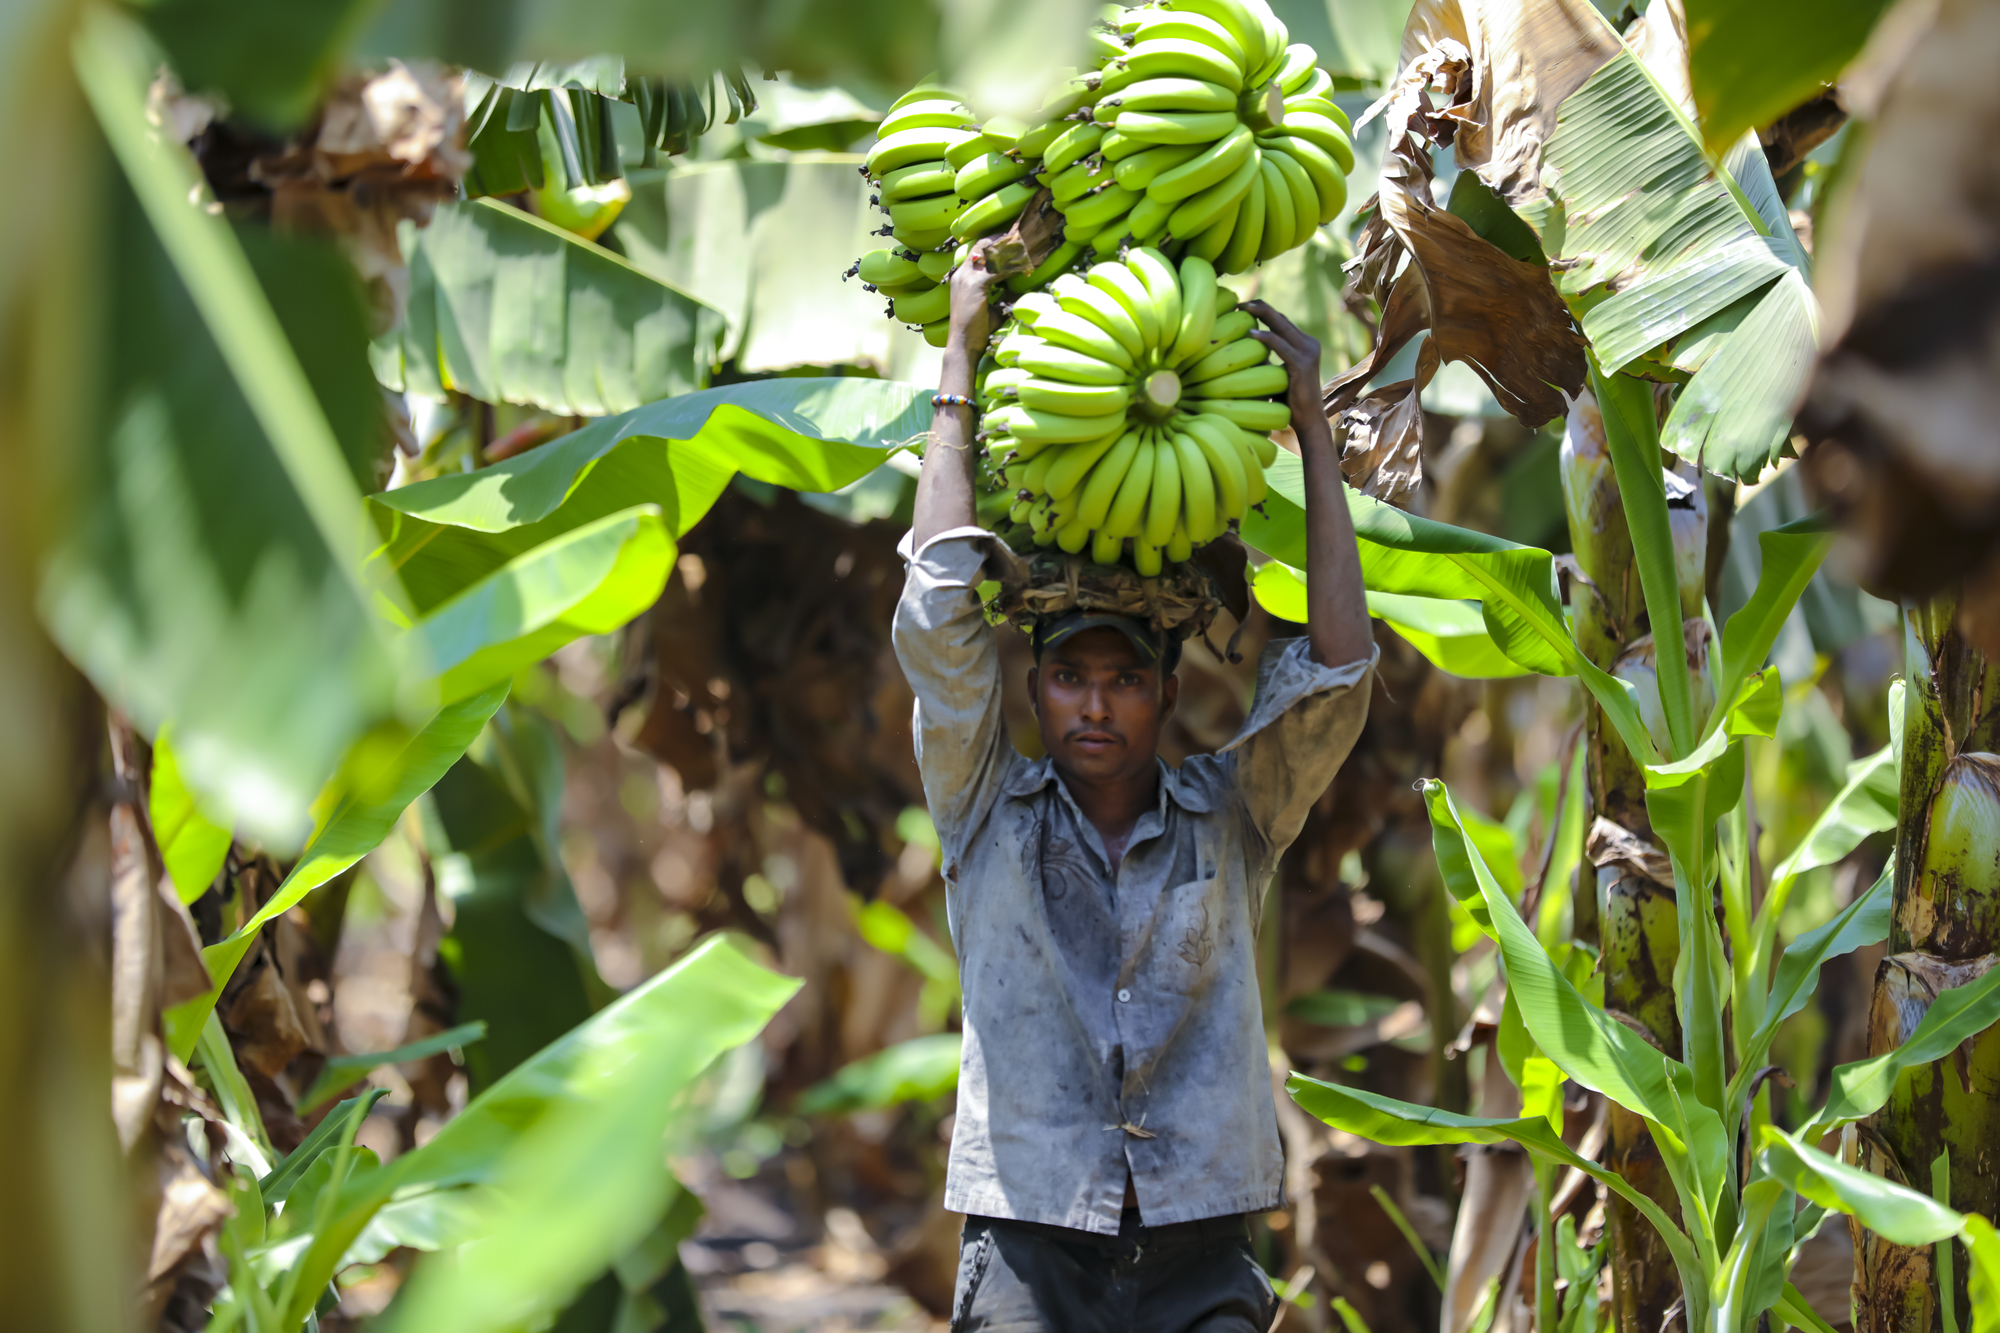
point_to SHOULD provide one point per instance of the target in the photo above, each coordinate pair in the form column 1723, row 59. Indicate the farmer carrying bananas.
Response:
column 1115, row 1120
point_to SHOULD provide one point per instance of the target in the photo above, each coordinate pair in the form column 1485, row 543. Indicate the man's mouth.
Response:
column 1093, row 740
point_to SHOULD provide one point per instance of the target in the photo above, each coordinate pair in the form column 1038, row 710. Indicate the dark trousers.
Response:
column 1192, row 1277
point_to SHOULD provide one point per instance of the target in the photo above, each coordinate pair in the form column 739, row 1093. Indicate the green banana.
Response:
column 1098, row 209
column 1037, row 140
column 1252, row 414
column 916, row 286
column 1034, row 424
column 1238, row 20
column 1002, row 420
column 923, row 239
column 1011, row 348
column 916, row 145
column 1073, row 94
column 984, row 142
column 1195, row 215
column 1001, row 380
column 925, row 90
column 1115, row 147
column 1149, row 219
column 1079, row 334
column 1101, row 308
column 1179, row 546
column 1177, row 126
column 995, row 210
column 925, row 307
column 1225, row 465
column 1163, row 505
column 1191, row 27
column 1130, row 292
column 1128, row 507
column 1230, row 324
column 935, row 113
column 1280, row 222
column 1256, row 486
column 1212, row 241
column 1075, row 182
column 887, row 266
column 1300, row 61
column 1080, row 400
column 1316, row 106
column 1214, row 165
column 1105, row 548
column 934, row 264
column 1164, row 286
column 1105, row 478
column 1276, row 39
column 1198, row 495
column 1146, row 561
column 1072, row 145
column 1073, row 535
column 1262, row 447
column 1317, row 129
column 1057, row 362
column 1018, row 512
column 1140, row 170
column 985, row 174
column 1318, row 83
column 925, row 214
column 1105, row 45
column 1112, row 237
column 1305, row 198
column 916, row 181
column 1171, row 93
column 1241, row 253
column 1223, row 359
column 1329, row 182
column 1158, row 57
column 938, row 332
column 1197, row 287
column 1033, row 306
column 1066, row 473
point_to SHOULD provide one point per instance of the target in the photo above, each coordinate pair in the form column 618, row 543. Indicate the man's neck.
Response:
column 1113, row 807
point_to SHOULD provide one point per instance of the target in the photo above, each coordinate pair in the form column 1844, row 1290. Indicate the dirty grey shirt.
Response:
column 1112, row 1022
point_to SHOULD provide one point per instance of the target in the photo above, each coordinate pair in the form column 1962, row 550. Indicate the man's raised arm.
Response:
column 944, row 491
column 1336, row 603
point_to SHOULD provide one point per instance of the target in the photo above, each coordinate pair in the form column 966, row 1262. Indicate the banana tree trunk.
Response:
column 1637, row 927
column 1945, row 932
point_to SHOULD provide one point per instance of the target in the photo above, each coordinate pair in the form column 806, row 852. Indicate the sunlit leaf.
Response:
column 445, row 534
column 1894, row 1212
column 1791, row 555
column 1861, row 1087
column 192, row 847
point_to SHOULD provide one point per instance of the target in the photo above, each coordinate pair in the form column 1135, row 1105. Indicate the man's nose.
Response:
column 1096, row 702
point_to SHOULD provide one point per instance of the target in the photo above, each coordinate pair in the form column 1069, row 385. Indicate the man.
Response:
column 1115, row 1119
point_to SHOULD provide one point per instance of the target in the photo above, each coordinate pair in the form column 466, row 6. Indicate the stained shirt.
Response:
column 1112, row 1020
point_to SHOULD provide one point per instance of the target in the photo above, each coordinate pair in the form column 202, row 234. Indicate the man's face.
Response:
column 1101, row 707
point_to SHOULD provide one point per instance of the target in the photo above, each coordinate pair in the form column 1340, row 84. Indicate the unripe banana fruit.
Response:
column 1118, row 410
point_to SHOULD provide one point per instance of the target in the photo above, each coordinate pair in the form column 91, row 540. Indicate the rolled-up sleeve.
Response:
column 1303, row 721
column 948, row 655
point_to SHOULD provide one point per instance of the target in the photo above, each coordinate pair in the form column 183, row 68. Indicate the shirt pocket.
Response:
column 1191, row 937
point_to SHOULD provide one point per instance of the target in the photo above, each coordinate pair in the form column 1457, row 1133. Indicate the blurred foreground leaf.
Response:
column 910, row 1071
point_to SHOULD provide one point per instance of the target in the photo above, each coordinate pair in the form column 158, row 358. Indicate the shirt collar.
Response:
column 1031, row 775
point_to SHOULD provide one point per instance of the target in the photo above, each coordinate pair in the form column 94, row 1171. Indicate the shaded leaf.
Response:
column 355, row 817
column 1861, row 1087
column 1750, row 64
column 339, row 1071
column 508, row 308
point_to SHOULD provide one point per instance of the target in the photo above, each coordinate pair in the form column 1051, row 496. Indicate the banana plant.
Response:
column 597, row 1103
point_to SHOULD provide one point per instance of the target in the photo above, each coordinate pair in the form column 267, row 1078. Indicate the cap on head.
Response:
column 1155, row 647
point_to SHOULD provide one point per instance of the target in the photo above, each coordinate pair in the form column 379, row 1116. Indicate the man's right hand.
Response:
column 971, row 318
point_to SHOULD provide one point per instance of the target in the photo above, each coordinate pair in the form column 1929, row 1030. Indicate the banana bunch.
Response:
column 1209, row 135
column 1127, row 409
column 944, row 183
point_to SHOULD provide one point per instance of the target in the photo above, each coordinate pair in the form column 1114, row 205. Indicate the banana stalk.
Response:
column 1944, row 932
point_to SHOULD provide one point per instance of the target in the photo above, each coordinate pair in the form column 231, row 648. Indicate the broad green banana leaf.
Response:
column 916, row 1070
column 1791, row 555
column 507, row 308
column 590, row 580
column 1750, row 64
column 445, row 534
column 210, row 572
column 1892, row 1211
column 1401, row 553
column 192, row 846
column 597, row 1105
column 1451, row 635
column 356, row 811
column 1666, row 252
column 766, row 243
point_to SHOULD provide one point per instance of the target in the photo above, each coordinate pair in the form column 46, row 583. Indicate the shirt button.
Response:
column 1124, row 996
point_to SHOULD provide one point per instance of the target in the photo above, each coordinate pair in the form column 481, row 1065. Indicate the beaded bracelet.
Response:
column 950, row 400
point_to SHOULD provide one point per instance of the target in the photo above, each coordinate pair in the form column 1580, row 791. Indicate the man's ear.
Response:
column 1034, row 694
column 1170, row 693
